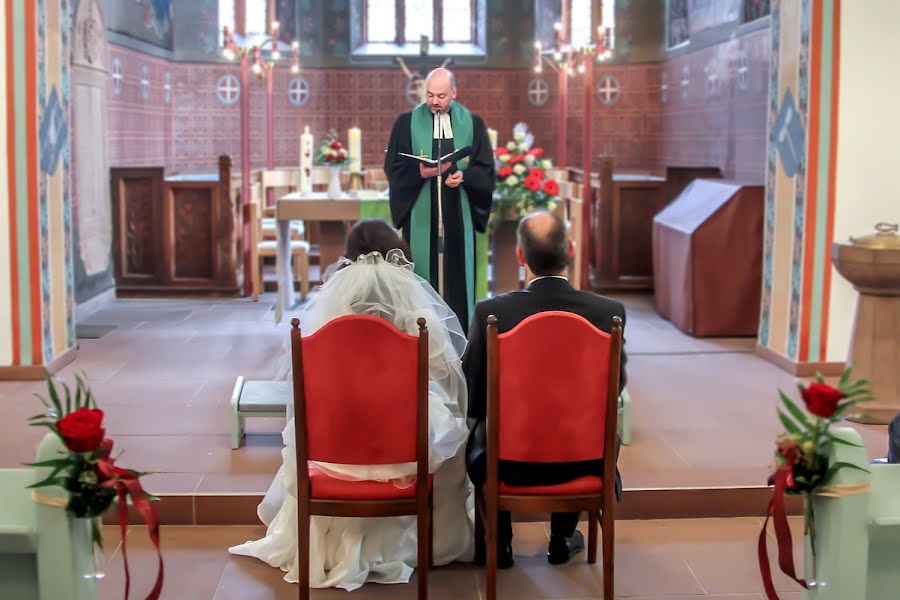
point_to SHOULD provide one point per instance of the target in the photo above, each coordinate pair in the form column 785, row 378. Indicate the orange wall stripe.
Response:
column 832, row 171
column 11, row 162
column 33, row 207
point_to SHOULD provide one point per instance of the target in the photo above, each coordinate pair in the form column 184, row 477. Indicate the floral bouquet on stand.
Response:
column 332, row 152
column 522, row 182
column 801, row 463
column 87, row 470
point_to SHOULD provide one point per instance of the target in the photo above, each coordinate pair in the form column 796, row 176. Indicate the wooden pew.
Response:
column 45, row 554
column 858, row 532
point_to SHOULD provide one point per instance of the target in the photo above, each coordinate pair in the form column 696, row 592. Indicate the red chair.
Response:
column 553, row 374
column 347, row 377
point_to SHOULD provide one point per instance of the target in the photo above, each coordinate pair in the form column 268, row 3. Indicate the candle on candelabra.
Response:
column 354, row 145
column 306, row 161
column 492, row 135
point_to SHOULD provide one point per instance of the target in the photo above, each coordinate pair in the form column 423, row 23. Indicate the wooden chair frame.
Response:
column 600, row 507
column 299, row 256
column 421, row 506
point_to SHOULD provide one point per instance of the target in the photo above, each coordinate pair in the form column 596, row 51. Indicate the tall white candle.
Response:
column 354, row 145
column 492, row 134
column 306, row 160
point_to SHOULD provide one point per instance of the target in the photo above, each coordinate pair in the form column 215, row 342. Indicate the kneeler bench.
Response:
column 858, row 532
column 257, row 399
column 271, row 398
column 44, row 552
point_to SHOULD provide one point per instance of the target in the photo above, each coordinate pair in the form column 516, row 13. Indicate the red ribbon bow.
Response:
column 126, row 484
column 777, row 512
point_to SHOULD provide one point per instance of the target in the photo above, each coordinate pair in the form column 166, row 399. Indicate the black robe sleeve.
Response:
column 479, row 177
column 403, row 175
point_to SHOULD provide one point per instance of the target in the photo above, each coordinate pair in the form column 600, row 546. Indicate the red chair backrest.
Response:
column 360, row 382
column 553, row 389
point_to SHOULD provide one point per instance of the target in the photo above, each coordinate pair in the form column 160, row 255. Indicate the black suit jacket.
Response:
column 544, row 294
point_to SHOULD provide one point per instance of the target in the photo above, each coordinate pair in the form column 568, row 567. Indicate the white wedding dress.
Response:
column 347, row 552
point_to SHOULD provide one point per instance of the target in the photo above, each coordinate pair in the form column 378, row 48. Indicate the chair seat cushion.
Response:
column 323, row 487
column 272, row 245
column 265, row 396
column 589, row 484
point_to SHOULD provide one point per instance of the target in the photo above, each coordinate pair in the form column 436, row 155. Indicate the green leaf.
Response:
column 57, row 481
column 54, row 397
column 819, row 378
column 53, row 462
column 788, row 423
column 68, row 399
column 834, row 468
column 795, row 411
column 845, row 377
column 844, row 442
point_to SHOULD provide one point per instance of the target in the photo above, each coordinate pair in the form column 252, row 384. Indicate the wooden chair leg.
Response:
column 304, row 275
column 431, row 530
column 490, row 535
column 609, row 537
column 593, row 518
column 303, row 550
column 256, row 277
column 422, row 555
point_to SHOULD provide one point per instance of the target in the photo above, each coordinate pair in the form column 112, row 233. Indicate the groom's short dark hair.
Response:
column 544, row 242
column 374, row 235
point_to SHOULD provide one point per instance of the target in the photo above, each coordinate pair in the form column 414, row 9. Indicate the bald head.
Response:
column 440, row 89
column 543, row 243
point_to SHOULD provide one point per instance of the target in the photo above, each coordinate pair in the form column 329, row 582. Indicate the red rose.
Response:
column 515, row 159
column 551, row 188
column 82, row 430
column 821, row 400
column 501, row 151
column 328, row 158
column 342, row 155
column 335, row 145
column 536, row 152
column 532, row 184
column 537, row 173
column 504, row 172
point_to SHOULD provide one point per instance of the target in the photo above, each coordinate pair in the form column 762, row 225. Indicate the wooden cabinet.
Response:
column 174, row 235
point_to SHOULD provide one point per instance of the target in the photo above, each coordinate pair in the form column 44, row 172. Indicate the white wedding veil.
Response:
column 387, row 287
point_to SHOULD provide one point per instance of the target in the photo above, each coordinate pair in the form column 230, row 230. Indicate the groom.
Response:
column 545, row 249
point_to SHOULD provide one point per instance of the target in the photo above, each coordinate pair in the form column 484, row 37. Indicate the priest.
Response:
column 468, row 185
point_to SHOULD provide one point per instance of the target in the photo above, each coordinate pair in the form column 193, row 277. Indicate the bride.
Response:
column 347, row 552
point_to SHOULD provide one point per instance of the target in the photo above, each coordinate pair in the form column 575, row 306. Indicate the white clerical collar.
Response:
column 563, row 277
column 442, row 127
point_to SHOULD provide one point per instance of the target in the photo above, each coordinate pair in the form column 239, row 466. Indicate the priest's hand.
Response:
column 429, row 172
column 454, row 179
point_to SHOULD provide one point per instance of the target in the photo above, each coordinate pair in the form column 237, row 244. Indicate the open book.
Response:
column 433, row 162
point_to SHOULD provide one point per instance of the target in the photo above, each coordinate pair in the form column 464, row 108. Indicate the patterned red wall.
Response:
column 721, row 120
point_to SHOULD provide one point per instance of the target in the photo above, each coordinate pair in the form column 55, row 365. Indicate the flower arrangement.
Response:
column 522, row 180
column 87, row 471
column 332, row 152
column 801, row 461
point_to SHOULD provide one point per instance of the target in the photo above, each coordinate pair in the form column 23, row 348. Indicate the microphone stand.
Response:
column 440, row 184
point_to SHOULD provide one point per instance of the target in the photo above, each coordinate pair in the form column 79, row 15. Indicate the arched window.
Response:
column 580, row 21
column 255, row 19
column 406, row 21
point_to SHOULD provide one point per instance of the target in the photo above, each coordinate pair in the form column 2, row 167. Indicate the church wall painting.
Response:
column 146, row 20
column 36, row 296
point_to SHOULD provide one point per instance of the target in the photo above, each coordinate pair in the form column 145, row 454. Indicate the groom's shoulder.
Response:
column 500, row 301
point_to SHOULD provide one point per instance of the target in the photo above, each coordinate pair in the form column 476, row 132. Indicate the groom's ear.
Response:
column 520, row 255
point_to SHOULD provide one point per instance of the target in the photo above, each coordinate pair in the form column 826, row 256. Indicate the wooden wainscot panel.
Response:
column 175, row 235
column 137, row 239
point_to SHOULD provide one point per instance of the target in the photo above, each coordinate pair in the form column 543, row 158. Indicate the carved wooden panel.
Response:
column 136, row 232
column 175, row 235
column 192, row 210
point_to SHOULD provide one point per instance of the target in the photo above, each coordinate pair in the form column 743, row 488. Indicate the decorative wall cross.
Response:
column 609, row 90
